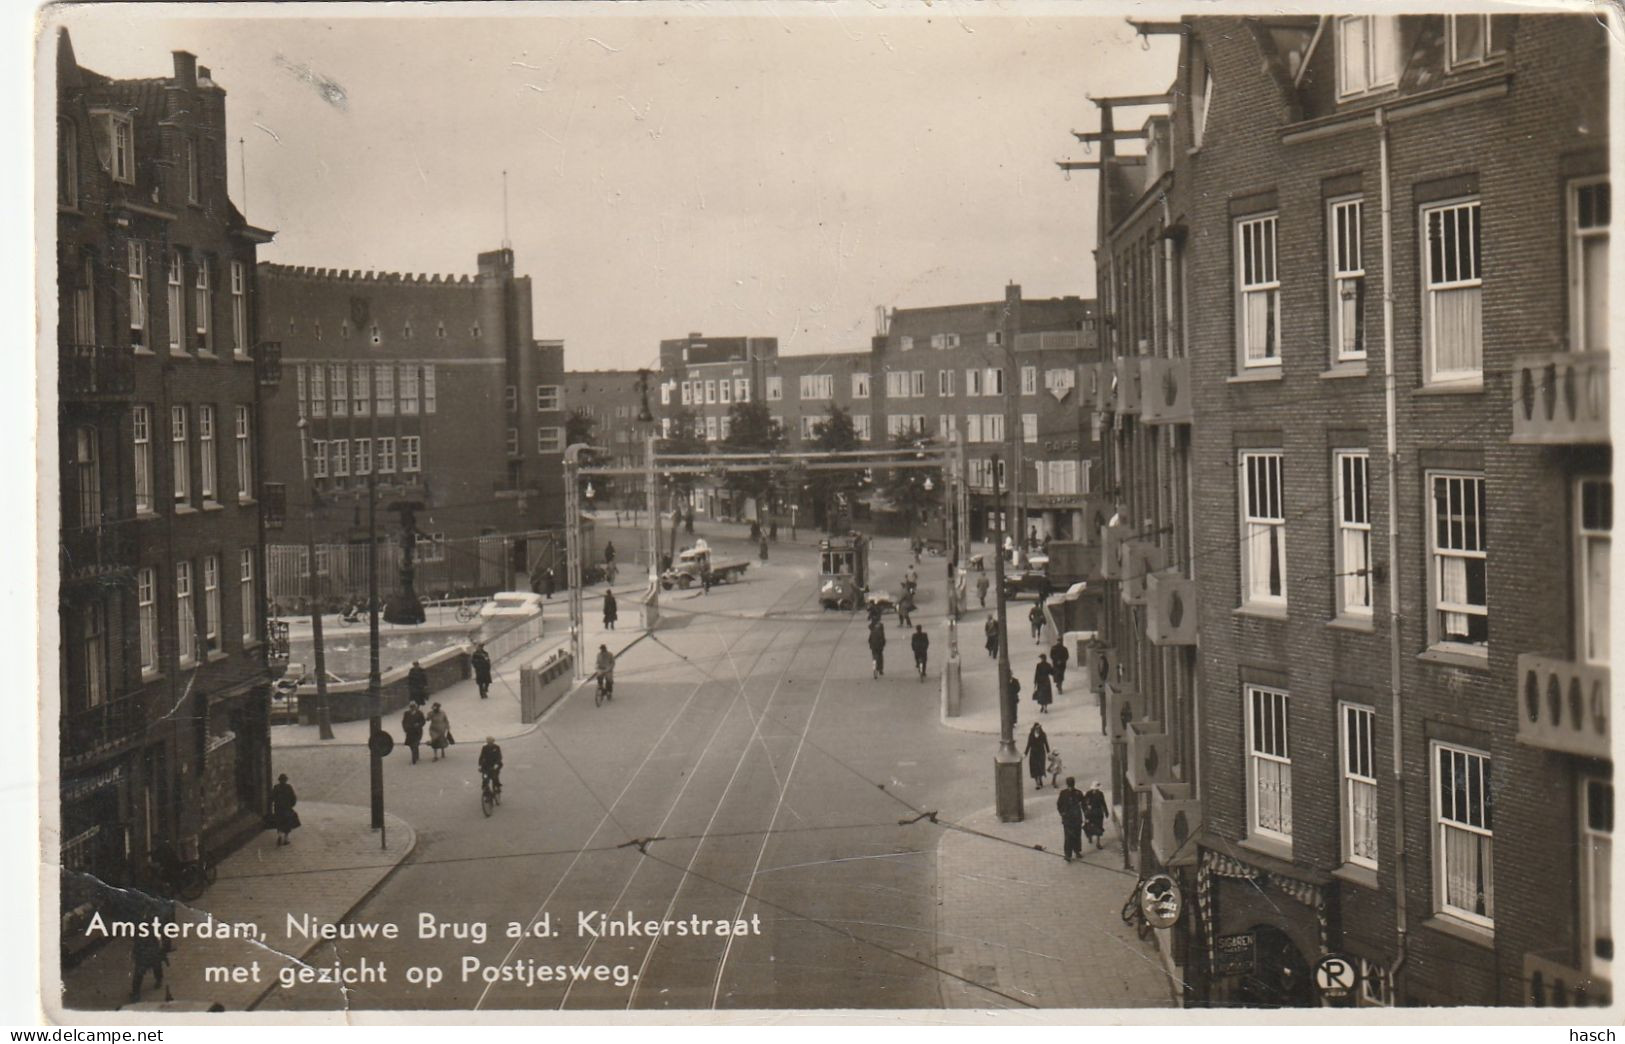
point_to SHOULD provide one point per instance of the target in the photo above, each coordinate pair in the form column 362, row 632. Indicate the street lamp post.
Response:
column 375, row 728
column 324, row 717
column 1007, row 796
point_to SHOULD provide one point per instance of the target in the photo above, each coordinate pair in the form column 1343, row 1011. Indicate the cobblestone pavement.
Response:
column 333, row 863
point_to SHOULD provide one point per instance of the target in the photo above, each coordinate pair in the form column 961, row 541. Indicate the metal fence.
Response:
column 469, row 566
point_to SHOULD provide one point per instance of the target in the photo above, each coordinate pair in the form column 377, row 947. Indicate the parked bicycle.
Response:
column 468, row 612
column 1134, row 912
column 185, row 879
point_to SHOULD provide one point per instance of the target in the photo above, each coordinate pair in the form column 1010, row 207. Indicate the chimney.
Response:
column 186, row 68
column 1012, row 293
column 695, row 335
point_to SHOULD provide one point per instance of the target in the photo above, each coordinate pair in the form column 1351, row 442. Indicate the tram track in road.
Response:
column 638, row 774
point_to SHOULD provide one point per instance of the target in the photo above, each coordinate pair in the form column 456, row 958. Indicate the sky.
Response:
column 777, row 170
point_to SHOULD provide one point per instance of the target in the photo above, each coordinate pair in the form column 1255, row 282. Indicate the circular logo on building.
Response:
column 1161, row 901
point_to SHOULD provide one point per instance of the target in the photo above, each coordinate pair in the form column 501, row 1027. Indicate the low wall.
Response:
column 348, row 701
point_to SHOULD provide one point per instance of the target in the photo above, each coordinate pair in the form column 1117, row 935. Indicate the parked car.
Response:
column 695, row 561
column 511, row 603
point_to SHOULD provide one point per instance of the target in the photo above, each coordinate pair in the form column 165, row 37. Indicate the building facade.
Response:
column 1393, row 730
column 948, row 368
column 428, row 389
column 163, row 726
column 615, row 403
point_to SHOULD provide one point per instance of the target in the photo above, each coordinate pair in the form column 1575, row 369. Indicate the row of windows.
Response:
column 548, row 440
column 1462, row 808
column 1457, row 543
column 197, row 621
column 1451, row 277
column 375, row 332
column 193, row 433
column 341, row 458
column 717, row 390
column 942, row 341
column 117, row 131
column 182, row 280
column 357, row 389
column 1369, row 46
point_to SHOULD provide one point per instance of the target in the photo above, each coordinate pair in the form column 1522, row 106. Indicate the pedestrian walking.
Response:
column 706, row 579
column 1037, row 751
column 761, row 551
column 1095, row 811
column 876, row 612
column 439, row 732
column 991, row 629
column 1070, row 805
column 877, row 648
column 549, row 583
column 611, row 610
column 417, row 684
column 1035, row 616
column 905, row 608
column 283, row 818
column 1012, row 696
column 911, row 580
column 981, row 589
column 1043, row 674
column 412, row 728
column 755, row 531
column 921, row 642
column 1058, row 659
column 772, row 531
column 609, row 554
column 480, row 660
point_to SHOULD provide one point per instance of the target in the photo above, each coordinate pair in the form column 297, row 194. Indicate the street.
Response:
column 748, row 768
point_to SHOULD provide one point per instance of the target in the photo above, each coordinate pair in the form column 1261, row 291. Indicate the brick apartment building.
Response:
column 1402, row 631
column 163, row 727
column 614, row 401
column 435, row 387
column 944, row 368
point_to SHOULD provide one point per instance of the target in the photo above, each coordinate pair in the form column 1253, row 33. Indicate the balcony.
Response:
column 102, row 729
column 1170, row 613
column 1112, row 539
column 1100, row 381
column 268, row 363
column 1122, row 708
column 1563, row 706
column 1560, row 399
column 1176, row 816
column 1139, row 559
column 1128, row 384
column 1149, row 757
column 1549, row 984
column 1166, row 391
column 95, row 372
column 1101, row 662
column 95, row 551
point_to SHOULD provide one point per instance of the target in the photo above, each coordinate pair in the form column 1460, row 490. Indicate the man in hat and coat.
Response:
column 1070, row 805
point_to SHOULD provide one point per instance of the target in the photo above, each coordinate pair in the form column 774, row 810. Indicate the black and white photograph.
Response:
column 726, row 510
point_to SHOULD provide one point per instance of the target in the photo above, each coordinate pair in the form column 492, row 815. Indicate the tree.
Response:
column 751, row 429
column 578, row 427
column 834, row 489
column 904, row 488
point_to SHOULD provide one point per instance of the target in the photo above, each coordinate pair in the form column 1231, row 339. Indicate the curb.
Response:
column 300, row 956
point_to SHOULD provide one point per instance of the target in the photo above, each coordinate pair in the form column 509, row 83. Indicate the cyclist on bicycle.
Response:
column 491, row 763
column 606, row 669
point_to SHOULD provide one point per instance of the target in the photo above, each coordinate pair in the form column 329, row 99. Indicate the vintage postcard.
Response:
column 909, row 509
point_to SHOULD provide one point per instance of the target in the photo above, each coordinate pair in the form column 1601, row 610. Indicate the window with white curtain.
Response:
column 860, row 385
column 1464, row 834
column 1263, row 530
column 1352, row 551
column 1594, row 546
column 141, row 437
column 1359, row 785
column 1348, row 280
column 185, row 614
column 211, row 603
column 146, row 601
column 1459, row 548
column 1368, row 53
column 1269, row 764
column 1452, row 326
column 1590, row 215
column 247, row 595
column 1258, row 293
column 138, row 293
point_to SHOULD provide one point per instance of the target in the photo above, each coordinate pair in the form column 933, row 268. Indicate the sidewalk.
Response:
column 1030, row 925
column 332, row 866
column 1075, row 712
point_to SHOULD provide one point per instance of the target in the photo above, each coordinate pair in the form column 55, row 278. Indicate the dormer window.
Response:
column 122, row 136
column 1472, row 39
column 1367, row 53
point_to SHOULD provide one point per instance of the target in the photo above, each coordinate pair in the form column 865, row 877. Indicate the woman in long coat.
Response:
column 1041, row 684
column 611, row 610
column 992, row 630
column 439, row 732
column 283, row 817
column 1037, row 754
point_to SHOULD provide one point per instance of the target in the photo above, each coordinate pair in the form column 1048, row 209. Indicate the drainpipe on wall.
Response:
column 1392, row 454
